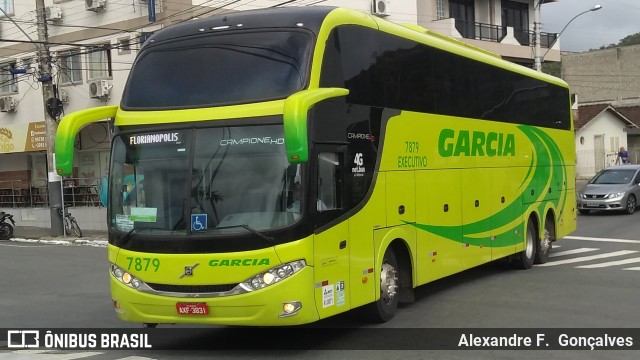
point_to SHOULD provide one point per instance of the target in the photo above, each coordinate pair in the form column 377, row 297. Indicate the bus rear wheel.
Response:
column 524, row 260
column 543, row 247
column 385, row 308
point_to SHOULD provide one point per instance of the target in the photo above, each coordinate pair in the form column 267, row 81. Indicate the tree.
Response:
column 633, row 39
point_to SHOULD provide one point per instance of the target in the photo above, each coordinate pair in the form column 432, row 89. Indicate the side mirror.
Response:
column 67, row 131
column 296, row 109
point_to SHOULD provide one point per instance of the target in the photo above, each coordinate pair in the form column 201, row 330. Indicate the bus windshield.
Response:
column 213, row 181
column 222, row 69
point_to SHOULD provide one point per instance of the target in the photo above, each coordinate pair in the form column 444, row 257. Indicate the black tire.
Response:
column 75, row 228
column 544, row 246
column 385, row 308
column 524, row 260
column 631, row 205
column 584, row 211
column 6, row 231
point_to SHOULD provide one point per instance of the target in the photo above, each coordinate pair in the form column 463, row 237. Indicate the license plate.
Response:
column 192, row 308
column 592, row 204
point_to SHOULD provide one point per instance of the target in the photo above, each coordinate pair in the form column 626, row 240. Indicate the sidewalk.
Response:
column 43, row 235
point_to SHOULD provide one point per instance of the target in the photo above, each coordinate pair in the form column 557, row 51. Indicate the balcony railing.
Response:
column 496, row 33
column 480, row 31
column 23, row 194
column 527, row 38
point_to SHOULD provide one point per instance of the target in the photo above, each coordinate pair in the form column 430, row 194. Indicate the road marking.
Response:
column 626, row 241
column 588, row 258
column 633, row 268
column 610, row 263
column 571, row 252
column 51, row 354
column 24, row 246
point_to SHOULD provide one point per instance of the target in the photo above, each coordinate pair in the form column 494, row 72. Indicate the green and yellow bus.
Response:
column 280, row 166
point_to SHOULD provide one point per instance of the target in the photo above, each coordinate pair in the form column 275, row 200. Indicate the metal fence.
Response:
column 588, row 164
column 78, row 192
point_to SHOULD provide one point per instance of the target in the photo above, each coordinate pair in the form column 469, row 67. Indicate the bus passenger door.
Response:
column 331, row 247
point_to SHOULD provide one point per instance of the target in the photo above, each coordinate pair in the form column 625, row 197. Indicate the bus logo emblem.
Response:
column 188, row 270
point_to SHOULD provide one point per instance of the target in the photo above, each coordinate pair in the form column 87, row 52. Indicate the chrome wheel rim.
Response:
column 545, row 244
column 529, row 245
column 388, row 283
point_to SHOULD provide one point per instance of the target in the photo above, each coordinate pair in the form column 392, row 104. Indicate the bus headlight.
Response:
column 272, row 275
column 127, row 279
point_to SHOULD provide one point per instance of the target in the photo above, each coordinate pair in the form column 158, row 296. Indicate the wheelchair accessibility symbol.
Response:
column 198, row 222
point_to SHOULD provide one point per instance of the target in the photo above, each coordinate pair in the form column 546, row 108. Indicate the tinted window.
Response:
column 384, row 70
column 223, row 69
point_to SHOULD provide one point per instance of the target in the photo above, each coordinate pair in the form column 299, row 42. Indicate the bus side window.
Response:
column 329, row 194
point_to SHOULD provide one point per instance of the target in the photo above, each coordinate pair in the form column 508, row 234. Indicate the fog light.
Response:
column 126, row 278
column 290, row 308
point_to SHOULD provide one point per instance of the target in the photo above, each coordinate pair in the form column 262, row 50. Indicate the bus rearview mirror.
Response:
column 296, row 109
column 69, row 127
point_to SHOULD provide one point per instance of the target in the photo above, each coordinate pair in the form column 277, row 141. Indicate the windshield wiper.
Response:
column 125, row 238
column 268, row 239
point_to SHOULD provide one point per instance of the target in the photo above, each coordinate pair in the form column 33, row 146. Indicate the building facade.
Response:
column 606, row 75
column 93, row 43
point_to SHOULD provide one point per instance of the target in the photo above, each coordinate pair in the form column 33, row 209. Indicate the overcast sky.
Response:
column 616, row 20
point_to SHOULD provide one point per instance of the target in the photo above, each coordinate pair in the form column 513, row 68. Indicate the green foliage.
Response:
column 633, row 39
column 552, row 68
column 630, row 40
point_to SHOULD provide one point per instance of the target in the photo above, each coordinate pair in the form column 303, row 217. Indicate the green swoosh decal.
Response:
column 546, row 168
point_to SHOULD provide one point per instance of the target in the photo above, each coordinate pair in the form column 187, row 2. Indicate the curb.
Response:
column 65, row 242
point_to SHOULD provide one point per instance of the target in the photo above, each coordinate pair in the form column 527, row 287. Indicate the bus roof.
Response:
column 312, row 18
column 308, row 17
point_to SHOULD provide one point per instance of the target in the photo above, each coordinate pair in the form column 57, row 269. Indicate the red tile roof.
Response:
column 586, row 113
column 629, row 114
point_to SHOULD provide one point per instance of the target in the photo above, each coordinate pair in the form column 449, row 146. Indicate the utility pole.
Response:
column 536, row 31
column 53, row 179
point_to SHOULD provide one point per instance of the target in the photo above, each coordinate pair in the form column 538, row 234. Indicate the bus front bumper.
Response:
column 262, row 307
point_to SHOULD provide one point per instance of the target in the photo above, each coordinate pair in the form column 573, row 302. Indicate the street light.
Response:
column 538, row 58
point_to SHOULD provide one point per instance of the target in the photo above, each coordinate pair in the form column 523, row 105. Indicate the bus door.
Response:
column 331, row 246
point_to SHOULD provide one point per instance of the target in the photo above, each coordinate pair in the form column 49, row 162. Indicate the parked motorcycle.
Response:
column 6, row 229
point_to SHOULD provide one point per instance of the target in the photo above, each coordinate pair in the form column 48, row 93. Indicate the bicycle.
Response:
column 70, row 222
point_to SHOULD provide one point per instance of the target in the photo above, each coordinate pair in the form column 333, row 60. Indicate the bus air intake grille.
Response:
column 192, row 289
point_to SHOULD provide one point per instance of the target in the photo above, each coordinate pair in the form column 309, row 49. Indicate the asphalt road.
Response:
column 590, row 282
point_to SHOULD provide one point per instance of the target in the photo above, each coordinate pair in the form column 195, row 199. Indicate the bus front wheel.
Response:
column 385, row 308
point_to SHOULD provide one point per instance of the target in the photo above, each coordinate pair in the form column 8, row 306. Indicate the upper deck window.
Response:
column 221, row 69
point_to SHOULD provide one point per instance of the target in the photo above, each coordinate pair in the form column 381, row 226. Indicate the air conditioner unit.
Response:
column 95, row 5
column 64, row 96
column 53, row 13
column 380, row 8
column 7, row 104
column 100, row 89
